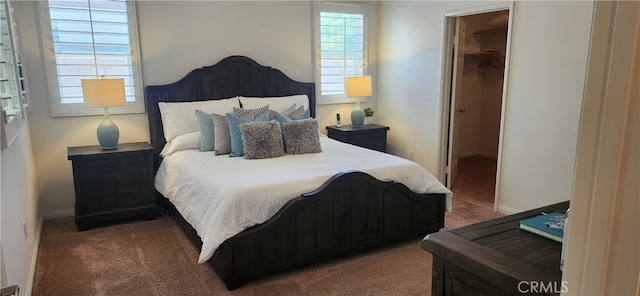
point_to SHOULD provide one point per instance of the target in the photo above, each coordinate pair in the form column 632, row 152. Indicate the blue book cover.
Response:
column 550, row 225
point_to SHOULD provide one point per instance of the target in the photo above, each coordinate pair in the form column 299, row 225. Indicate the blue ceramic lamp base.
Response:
column 357, row 115
column 108, row 133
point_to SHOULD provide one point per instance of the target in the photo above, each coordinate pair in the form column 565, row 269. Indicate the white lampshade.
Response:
column 357, row 86
column 103, row 92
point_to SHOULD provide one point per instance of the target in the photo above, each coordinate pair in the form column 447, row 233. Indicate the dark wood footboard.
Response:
column 351, row 211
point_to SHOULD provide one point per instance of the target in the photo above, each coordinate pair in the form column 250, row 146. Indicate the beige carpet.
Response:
column 155, row 258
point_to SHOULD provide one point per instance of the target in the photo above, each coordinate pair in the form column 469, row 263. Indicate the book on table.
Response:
column 549, row 225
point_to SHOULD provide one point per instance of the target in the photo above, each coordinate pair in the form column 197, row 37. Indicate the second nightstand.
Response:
column 372, row 136
column 113, row 184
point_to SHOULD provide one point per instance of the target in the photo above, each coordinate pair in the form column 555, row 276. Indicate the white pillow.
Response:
column 180, row 118
column 279, row 104
column 182, row 142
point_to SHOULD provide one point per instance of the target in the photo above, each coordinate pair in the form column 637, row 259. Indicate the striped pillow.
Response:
column 250, row 114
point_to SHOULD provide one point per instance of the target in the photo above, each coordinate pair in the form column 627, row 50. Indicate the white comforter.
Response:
column 220, row 196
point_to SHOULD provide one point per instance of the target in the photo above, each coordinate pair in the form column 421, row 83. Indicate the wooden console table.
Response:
column 496, row 257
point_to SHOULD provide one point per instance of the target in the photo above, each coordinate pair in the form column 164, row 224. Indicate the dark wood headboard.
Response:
column 232, row 76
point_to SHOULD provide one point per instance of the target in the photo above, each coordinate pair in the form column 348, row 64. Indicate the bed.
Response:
column 334, row 215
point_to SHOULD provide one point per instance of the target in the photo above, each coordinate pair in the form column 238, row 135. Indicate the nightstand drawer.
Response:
column 132, row 175
column 97, row 179
column 107, row 162
column 98, row 200
column 133, row 196
column 358, row 140
column 375, row 141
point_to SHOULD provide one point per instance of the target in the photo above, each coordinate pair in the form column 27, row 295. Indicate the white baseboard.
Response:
column 34, row 256
column 58, row 214
column 507, row 210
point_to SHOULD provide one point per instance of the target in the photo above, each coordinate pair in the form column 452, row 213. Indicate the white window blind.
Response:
column 341, row 48
column 89, row 39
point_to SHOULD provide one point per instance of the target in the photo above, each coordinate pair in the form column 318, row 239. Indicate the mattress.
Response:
column 220, row 196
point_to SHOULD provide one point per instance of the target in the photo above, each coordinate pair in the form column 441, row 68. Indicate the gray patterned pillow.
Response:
column 302, row 136
column 262, row 139
column 250, row 113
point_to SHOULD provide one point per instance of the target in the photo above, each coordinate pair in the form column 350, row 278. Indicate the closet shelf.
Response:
column 490, row 31
column 497, row 62
column 484, row 52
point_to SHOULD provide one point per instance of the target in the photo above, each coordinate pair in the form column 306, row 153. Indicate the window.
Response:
column 341, row 48
column 89, row 39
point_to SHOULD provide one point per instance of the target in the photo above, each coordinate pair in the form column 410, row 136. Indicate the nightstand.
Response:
column 372, row 136
column 113, row 184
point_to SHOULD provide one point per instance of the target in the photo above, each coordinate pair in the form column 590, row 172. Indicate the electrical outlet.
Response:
column 24, row 228
column 410, row 154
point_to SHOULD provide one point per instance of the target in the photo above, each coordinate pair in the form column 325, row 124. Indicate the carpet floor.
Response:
column 156, row 258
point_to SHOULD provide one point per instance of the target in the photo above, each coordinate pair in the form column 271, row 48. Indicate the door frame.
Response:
column 449, row 34
column 455, row 100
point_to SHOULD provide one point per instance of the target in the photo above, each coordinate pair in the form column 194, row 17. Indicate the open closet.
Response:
column 478, row 82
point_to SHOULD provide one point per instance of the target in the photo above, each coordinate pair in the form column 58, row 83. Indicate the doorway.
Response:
column 477, row 48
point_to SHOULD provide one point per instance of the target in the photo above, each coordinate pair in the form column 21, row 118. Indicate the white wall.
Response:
column 543, row 99
column 175, row 37
column 279, row 34
column 18, row 202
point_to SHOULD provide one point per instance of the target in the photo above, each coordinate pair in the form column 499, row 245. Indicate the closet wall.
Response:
column 482, row 83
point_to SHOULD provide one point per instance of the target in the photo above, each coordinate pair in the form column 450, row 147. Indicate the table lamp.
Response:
column 105, row 93
column 356, row 87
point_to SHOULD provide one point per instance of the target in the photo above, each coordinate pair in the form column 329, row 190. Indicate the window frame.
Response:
column 340, row 7
column 58, row 109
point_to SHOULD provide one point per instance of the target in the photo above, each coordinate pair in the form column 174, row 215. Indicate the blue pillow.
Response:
column 205, row 122
column 282, row 119
column 304, row 115
column 235, row 121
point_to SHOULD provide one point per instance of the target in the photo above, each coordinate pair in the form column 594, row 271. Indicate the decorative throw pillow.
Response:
column 287, row 111
column 251, row 114
column 299, row 112
column 205, row 122
column 234, row 123
column 261, row 139
column 302, row 136
column 296, row 115
column 222, row 138
column 291, row 108
column 282, row 119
